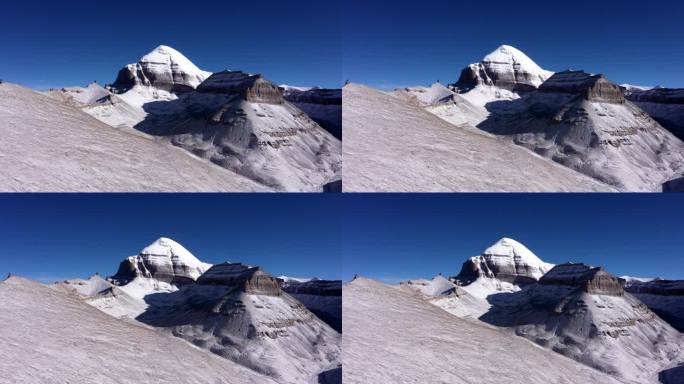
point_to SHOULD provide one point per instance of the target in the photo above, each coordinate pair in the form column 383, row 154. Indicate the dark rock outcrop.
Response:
column 664, row 105
column 252, row 88
column 248, row 279
column 324, row 106
column 593, row 280
column 590, row 87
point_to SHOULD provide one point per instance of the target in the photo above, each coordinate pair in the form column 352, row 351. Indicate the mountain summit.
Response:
column 506, row 67
column 163, row 68
column 164, row 260
column 506, row 260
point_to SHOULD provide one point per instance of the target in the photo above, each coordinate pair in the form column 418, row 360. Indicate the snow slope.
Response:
column 391, row 144
column 52, row 337
column 392, row 336
column 51, row 146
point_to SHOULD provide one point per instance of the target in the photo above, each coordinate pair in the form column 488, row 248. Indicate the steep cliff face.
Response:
column 664, row 297
column 164, row 68
column 506, row 68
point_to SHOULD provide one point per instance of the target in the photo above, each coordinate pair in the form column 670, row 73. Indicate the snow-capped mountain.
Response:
column 506, row 68
column 584, row 122
column 163, row 68
column 230, row 119
column 164, row 260
column 232, row 310
column 506, row 260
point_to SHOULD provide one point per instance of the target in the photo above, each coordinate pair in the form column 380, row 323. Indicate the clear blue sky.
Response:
column 403, row 236
column 52, row 237
column 47, row 44
column 397, row 43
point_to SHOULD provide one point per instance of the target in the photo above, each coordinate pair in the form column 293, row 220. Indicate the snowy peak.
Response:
column 163, row 68
column 164, row 260
column 506, row 67
column 506, row 260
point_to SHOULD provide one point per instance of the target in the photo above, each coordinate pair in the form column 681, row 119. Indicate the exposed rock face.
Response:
column 322, row 297
column 506, row 68
column 665, row 105
column 594, row 280
column 506, row 260
column 163, row 68
column 252, row 88
column 590, row 87
column 248, row 279
column 324, row 106
column 164, row 260
column 664, row 297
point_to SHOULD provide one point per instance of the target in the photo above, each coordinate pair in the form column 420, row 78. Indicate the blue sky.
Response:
column 402, row 236
column 57, row 236
column 46, row 44
column 397, row 43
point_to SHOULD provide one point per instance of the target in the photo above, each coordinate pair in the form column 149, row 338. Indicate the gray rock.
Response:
column 248, row 279
column 594, row 280
column 252, row 88
column 590, row 87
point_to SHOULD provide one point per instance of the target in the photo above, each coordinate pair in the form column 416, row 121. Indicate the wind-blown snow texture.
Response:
column 50, row 336
column 392, row 336
column 393, row 144
column 51, row 146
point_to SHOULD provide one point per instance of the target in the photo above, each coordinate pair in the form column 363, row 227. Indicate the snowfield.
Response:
column 394, row 145
column 53, row 147
column 392, row 336
column 50, row 336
